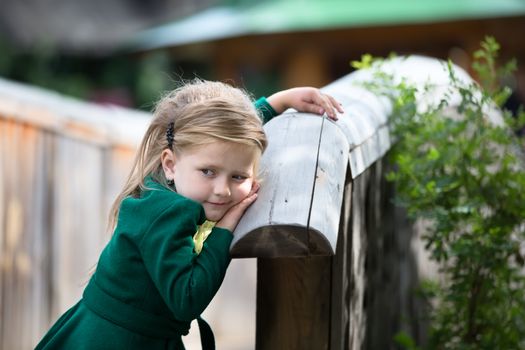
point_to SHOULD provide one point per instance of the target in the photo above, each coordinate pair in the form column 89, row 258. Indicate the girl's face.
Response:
column 218, row 175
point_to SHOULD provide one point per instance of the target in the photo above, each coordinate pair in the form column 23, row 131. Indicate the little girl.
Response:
column 193, row 177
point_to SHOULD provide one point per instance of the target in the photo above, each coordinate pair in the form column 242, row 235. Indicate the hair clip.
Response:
column 169, row 135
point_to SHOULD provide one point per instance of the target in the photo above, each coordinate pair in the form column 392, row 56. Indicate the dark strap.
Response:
column 131, row 317
column 207, row 339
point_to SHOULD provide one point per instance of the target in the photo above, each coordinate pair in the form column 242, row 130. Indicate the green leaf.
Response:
column 403, row 339
column 366, row 62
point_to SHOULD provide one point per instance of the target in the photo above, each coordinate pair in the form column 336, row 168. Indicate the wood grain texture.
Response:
column 325, row 210
column 340, row 283
column 277, row 223
column 297, row 211
column 281, row 222
column 364, row 123
column 59, row 162
column 293, row 303
column 356, row 258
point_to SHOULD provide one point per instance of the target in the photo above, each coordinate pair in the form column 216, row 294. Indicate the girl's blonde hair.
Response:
column 201, row 112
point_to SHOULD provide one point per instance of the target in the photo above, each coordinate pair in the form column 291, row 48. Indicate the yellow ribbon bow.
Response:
column 203, row 231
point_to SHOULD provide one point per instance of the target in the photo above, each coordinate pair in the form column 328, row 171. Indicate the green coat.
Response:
column 149, row 283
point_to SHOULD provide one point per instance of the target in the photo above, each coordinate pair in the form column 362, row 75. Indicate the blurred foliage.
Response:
column 135, row 80
column 464, row 175
column 130, row 80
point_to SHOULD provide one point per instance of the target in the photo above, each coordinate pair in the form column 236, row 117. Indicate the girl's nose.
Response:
column 222, row 188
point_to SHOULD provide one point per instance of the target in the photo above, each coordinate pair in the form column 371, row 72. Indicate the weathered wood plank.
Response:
column 50, row 111
column 264, row 232
column 325, row 210
column 41, row 234
column 356, row 273
column 29, row 154
column 366, row 128
column 3, row 199
column 340, row 284
column 78, row 227
column 300, row 217
column 276, row 224
column 12, row 232
column 364, row 124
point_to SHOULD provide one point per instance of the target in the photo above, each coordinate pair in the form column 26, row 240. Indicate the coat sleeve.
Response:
column 265, row 109
column 187, row 281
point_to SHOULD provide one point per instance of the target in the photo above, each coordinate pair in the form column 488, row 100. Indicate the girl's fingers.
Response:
column 255, row 187
column 245, row 203
column 336, row 104
column 328, row 107
column 312, row 100
column 233, row 215
column 328, row 104
column 310, row 107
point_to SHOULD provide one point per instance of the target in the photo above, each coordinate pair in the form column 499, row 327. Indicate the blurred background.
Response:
column 126, row 53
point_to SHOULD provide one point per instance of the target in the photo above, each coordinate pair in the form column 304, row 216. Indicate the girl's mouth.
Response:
column 217, row 203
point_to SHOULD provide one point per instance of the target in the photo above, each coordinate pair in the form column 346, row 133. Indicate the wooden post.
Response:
column 293, row 303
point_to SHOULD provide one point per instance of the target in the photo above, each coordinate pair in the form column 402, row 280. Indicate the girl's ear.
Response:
column 168, row 160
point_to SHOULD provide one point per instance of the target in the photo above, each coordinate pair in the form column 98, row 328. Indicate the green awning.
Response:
column 296, row 15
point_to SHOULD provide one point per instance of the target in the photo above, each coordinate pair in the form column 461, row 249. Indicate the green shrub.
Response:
column 464, row 175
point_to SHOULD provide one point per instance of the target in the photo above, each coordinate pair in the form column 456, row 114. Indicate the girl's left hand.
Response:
column 232, row 217
column 305, row 99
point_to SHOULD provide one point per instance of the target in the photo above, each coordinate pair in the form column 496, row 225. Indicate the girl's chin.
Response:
column 213, row 218
column 213, row 215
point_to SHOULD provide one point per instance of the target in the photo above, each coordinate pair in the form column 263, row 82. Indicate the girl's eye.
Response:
column 207, row 172
column 239, row 177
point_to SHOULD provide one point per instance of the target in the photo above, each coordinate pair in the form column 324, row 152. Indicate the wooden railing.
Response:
column 304, row 172
column 337, row 262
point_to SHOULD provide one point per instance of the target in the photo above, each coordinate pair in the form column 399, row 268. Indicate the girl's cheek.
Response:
column 247, row 187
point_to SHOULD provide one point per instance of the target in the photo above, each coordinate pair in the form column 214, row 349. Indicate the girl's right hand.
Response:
column 232, row 217
column 305, row 99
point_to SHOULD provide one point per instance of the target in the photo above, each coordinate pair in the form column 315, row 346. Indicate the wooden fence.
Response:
column 337, row 263
column 61, row 163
